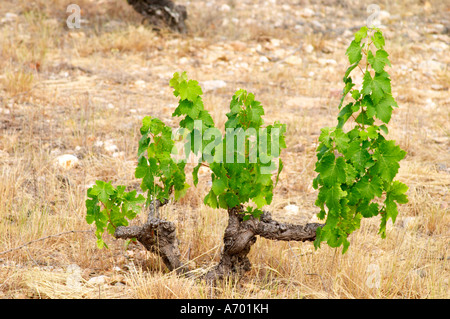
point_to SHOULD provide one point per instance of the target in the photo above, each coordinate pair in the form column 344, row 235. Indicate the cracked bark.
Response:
column 162, row 13
column 240, row 235
column 157, row 236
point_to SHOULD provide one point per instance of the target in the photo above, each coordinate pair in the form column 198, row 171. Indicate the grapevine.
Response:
column 357, row 167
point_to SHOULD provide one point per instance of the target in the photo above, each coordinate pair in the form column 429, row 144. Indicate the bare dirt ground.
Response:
column 83, row 92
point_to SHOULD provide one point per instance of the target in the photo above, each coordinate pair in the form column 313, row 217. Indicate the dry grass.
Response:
column 84, row 92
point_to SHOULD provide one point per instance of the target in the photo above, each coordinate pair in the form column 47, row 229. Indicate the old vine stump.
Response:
column 158, row 236
column 240, row 235
column 162, row 13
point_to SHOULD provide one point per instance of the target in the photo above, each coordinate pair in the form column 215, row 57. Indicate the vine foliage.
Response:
column 357, row 165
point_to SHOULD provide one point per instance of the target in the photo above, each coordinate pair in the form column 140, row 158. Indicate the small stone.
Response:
column 118, row 155
column 298, row 148
column 225, row 8
column 275, row 42
column 9, row 17
column 263, row 59
column 183, row 60
column 435, row 28
column 294, row 60
column 99, row 280
column 309, row 48
column 323, row 62
column 317, row 25
column 431, row 65
column 140, row 83
column 429, row 104
column 67, row 161
column 307, row 13
column 213, row 85
column 110, row 146
column 437, row 87
column 327, row 50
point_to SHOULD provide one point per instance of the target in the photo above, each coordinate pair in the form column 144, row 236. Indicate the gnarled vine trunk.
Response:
column 159, row 236
column 162, row 13
column 240, row 235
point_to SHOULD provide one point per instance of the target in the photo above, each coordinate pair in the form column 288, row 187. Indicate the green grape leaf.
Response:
column 142, row 168
column 232, row 200
column 93, row 209
column 331, row 170
column 131, row 204
column 195, row 173
column 368, row 209
column 206, row 119
column 256, row 111
column 103, row 191
column 378, row 40
column 358, row 155
column 189, row 90
column 345, row 113
column 260, row 200
column 341, row 139
column 186, row 107
column 348, row 71
column 333, row 197
column 211, row 199
column 219, row 186
column 386, row 157
column 179, row 193
column 354, row 52
column 379, row 85
column 397, row 191
column 379, row 60
column 369, row 188
column 145, row 124
column 384, row 108
column 361, row 34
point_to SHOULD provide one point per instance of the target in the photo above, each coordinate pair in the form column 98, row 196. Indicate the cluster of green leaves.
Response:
column 242, row 171
column 160, row 173
column 190, row 104
column 239, row 174
column 357, row 167
column 110, row 207
column 247, row 176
